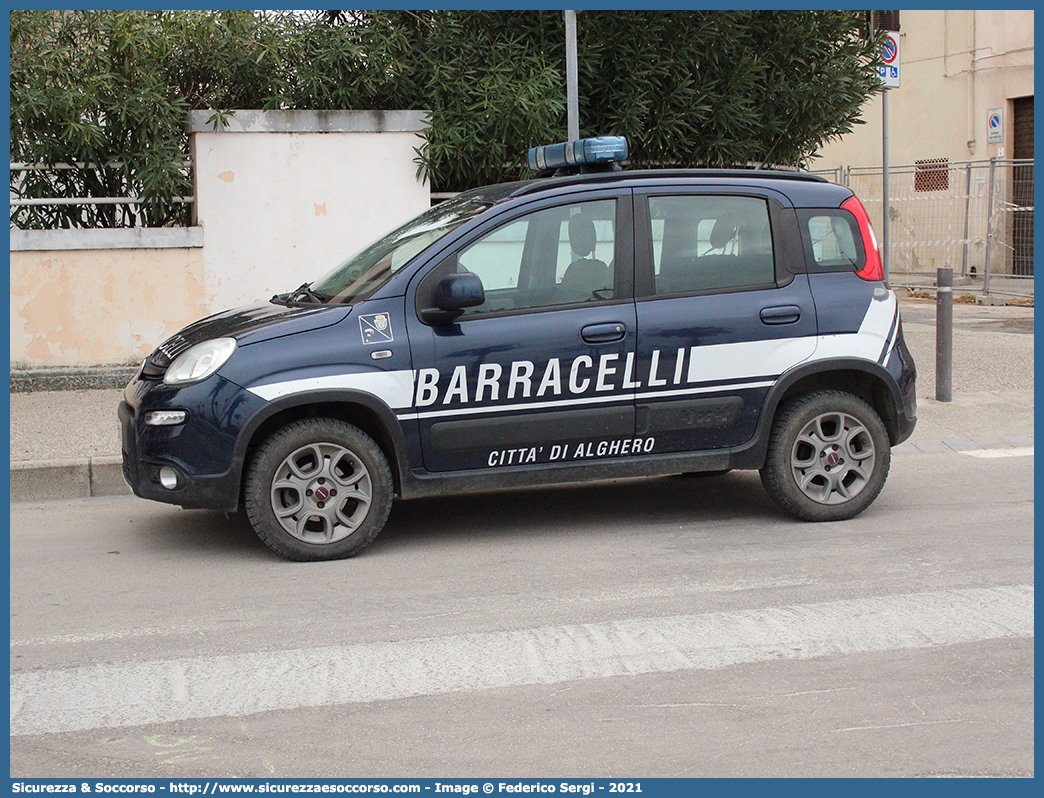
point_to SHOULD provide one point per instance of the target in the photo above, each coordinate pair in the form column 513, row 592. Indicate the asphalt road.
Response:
column 668, row 627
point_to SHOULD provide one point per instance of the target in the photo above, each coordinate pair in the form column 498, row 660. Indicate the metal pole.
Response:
column 944, row 335
column 572, row 104
column 967, row 213
column 989, row 228
column 884, row 171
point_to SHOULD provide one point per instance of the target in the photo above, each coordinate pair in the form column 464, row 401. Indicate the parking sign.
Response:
column 889, row 72
column 995, row 126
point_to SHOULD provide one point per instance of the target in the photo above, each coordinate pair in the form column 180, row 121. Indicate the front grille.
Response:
column 169, row 349
column 156, row 364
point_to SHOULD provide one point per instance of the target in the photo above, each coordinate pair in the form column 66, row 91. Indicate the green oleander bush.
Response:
column 687, row 88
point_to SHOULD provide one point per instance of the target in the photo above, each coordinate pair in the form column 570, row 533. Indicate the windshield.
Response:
column 370, row 268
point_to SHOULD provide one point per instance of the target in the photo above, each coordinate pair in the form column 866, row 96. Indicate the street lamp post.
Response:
column 572, row 105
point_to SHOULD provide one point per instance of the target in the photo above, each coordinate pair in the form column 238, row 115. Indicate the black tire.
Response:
column 828, row 456
column 318, row 489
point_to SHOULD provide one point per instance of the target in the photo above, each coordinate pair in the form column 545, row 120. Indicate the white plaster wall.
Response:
column 282, row 208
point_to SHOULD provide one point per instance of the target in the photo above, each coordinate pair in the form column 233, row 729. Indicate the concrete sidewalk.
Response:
column 65, row 444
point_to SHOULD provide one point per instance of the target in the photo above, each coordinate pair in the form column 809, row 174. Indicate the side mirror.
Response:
column 452, row 294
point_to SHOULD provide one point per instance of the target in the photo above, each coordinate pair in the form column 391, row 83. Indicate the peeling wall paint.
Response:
column 81, row 308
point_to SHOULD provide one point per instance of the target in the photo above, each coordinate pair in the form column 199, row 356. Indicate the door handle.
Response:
column 603, row 333
column 782, row 314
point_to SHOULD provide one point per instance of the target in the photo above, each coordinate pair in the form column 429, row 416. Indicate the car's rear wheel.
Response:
column 318, row 489
column 828, row 456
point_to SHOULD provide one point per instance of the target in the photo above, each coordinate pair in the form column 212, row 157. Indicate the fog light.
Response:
column 168, row 477
column 166, row 418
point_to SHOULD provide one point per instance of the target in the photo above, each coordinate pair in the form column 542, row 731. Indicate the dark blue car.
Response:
column 592, row 323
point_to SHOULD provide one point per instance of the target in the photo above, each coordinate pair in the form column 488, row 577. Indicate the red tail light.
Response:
column 873, row 270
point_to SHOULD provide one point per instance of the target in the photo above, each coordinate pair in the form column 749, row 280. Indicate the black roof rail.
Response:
column 541, row 182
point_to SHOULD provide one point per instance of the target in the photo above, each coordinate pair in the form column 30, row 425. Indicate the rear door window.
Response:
column 710, row 243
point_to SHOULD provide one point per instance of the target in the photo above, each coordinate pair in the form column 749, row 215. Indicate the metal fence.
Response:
column 975, row 217
column 86, row 195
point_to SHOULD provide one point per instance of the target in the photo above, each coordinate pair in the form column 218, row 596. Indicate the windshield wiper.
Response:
column 302, row 295
column 304, row 291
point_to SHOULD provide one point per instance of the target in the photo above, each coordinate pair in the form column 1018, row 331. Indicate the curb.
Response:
column 964, row 445
column 27, row 380
column 49, row 480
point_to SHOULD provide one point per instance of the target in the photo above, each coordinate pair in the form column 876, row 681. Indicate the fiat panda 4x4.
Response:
column 593, row 323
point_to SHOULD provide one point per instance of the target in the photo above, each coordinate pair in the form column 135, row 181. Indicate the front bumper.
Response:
column 202, row 453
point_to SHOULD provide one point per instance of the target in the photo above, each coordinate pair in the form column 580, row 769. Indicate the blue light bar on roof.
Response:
column 603, row 149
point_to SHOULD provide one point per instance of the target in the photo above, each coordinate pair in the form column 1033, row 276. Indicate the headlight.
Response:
column 200, row 361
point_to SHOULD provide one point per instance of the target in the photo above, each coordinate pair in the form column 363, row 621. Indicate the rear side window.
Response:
column 832, row 241
column 710, row 243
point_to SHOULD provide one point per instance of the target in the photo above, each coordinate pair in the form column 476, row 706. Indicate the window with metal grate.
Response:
column 932, row 174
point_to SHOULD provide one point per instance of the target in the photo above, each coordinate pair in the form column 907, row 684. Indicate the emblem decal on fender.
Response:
column 376, row 329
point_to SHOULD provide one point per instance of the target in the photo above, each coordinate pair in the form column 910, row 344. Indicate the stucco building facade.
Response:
column 959, row 149
column 955, row 66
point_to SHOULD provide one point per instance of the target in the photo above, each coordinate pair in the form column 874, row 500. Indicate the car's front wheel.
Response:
column 828, row 456
column 318, row 489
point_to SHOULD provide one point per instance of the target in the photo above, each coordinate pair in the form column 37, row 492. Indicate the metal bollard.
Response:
column 944, row 335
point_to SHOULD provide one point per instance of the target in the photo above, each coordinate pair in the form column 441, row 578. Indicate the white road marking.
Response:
column 133, row 694
column 989, row 454
column 95, row 637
